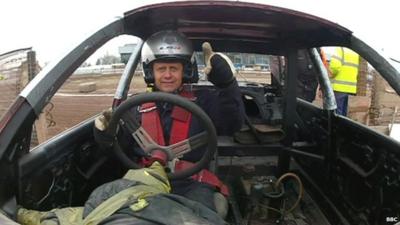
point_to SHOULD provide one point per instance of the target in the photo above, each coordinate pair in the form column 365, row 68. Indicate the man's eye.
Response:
column 173, row 69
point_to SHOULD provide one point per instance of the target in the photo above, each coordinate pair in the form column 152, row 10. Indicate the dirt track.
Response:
column 69, row 106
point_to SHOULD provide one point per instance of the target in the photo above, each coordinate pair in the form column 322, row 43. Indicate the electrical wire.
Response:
column 275, row 194
column 301, row 189
column 48, row 116
column 53, row 182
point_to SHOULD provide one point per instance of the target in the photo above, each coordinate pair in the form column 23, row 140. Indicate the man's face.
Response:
column 168, row 75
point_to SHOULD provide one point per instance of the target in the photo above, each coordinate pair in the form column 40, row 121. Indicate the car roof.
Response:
column 237, row 26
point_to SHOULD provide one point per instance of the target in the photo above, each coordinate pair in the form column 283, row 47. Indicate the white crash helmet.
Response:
column 169, row 46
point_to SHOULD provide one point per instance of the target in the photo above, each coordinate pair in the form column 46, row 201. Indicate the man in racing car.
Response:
column 169, row 64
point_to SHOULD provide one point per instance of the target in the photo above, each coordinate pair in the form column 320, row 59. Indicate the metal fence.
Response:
column 17, row 68
column 14, row 75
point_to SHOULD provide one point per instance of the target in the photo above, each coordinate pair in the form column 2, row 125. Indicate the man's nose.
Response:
column 168, row 73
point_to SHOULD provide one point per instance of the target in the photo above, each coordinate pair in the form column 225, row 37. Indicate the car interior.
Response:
column 291, row 163
column 320, row 166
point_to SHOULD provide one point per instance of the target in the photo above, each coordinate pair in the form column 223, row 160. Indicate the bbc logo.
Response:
column 391, row 219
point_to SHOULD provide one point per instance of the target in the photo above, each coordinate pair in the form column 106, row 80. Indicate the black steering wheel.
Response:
column 206, row 138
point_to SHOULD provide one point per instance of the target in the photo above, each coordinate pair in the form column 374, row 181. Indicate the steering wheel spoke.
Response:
column 180, row 148
column 144, row 140
column 199, row 140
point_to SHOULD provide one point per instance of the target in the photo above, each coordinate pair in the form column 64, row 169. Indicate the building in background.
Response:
column 240, row 60
column 126, row 51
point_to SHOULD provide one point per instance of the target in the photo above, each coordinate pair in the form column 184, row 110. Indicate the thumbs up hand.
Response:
column 219, row 68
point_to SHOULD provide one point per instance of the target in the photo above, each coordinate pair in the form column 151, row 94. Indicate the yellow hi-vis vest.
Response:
column 344, row 68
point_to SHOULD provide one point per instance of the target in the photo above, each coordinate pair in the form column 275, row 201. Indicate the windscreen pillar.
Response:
column 289, row 110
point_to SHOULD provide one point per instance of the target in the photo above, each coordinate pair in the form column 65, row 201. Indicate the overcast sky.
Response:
column 53, row 27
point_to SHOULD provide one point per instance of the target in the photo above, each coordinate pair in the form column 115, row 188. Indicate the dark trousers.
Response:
column 342, row 100
column 194, row 190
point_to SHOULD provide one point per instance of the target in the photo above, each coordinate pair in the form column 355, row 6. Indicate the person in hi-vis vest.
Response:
column 344, row 70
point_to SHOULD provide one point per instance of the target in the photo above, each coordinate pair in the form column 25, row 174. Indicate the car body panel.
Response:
column 257, row 25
